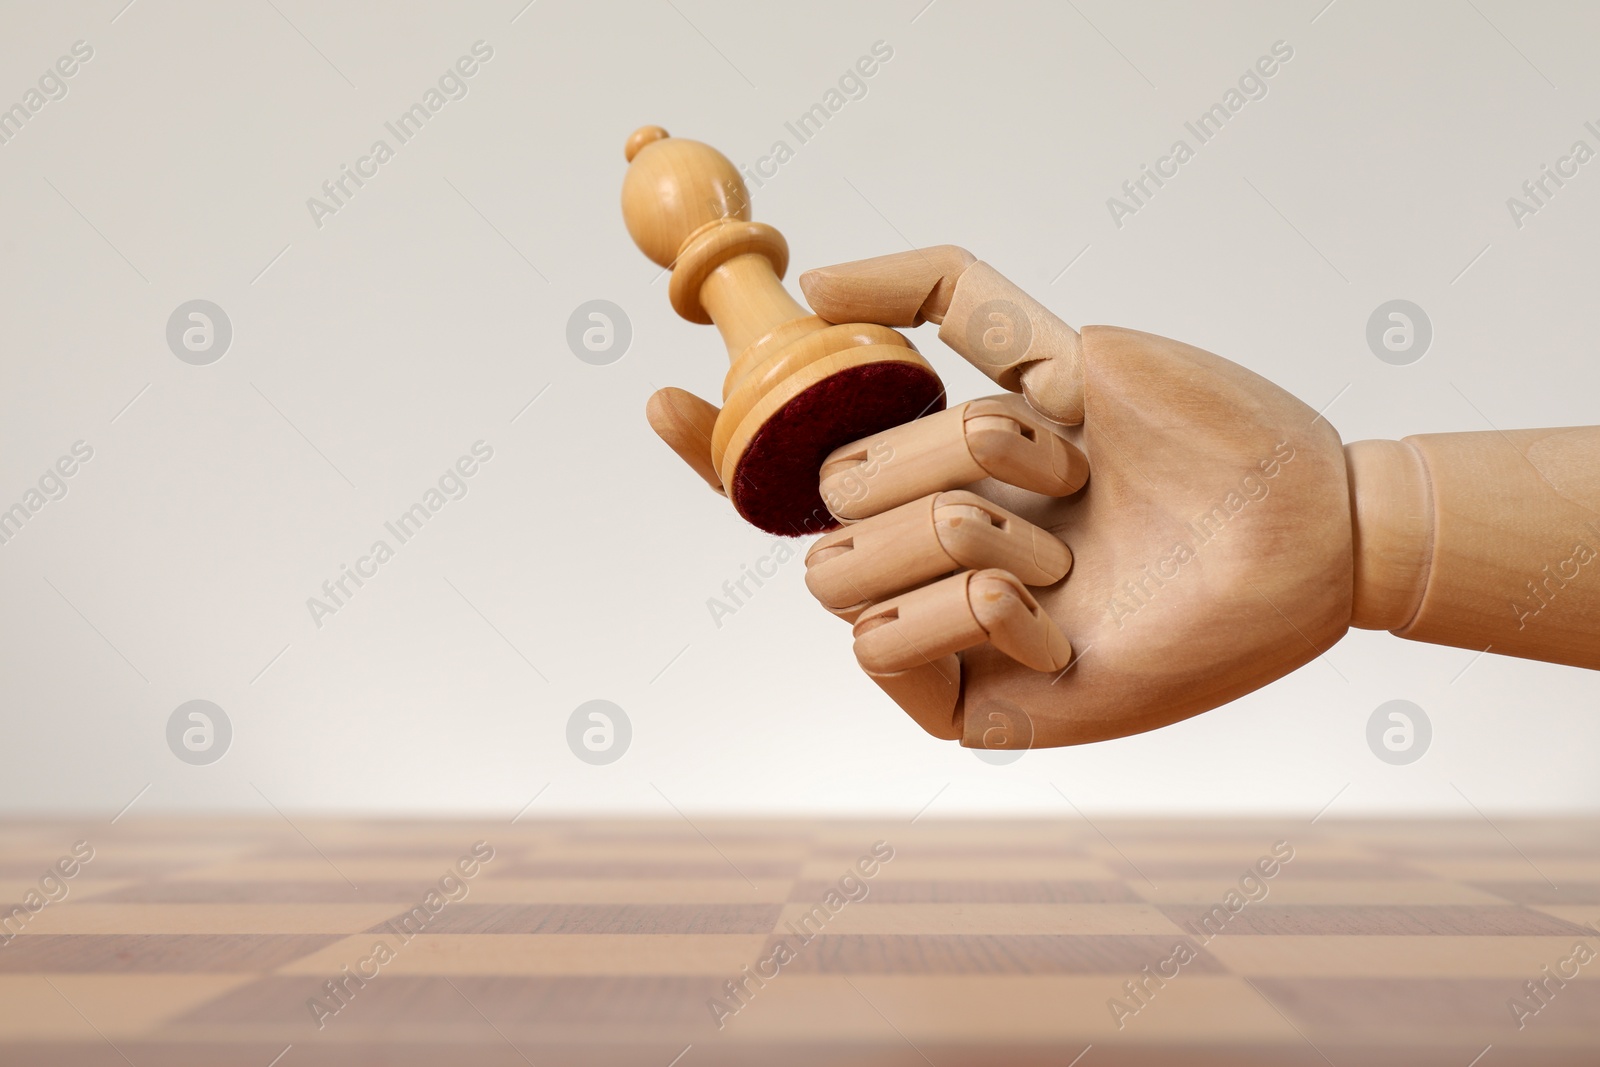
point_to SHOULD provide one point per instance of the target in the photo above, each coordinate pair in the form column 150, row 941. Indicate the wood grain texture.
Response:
column 1515, row 560
column 980, row 942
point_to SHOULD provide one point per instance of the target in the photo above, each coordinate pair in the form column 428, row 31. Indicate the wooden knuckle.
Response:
column 877, row 557
column 829, row 546
column 898, row 466
column 972, row 531
column 979, row 533
column 849, row 614
column 1015, row 623
column 1005, row 333
column 827, row 570
column 900, row 289
column 1023, row 451
column 952, row 262
column 917, row 627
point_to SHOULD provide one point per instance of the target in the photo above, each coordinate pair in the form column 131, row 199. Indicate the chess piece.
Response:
column 797, row 386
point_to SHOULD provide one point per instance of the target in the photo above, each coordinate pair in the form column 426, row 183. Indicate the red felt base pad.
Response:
column 775, row 482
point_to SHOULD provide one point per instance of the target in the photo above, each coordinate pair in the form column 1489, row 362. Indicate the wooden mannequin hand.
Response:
column 1225, row 538
column 1210, row 552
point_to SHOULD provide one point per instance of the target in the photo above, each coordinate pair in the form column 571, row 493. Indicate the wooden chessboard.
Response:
column 214, row 943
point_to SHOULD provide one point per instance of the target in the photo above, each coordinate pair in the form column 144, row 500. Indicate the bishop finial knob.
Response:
column 674, row 188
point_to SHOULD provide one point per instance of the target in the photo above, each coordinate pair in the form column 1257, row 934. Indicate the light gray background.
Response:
column 370, row 353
